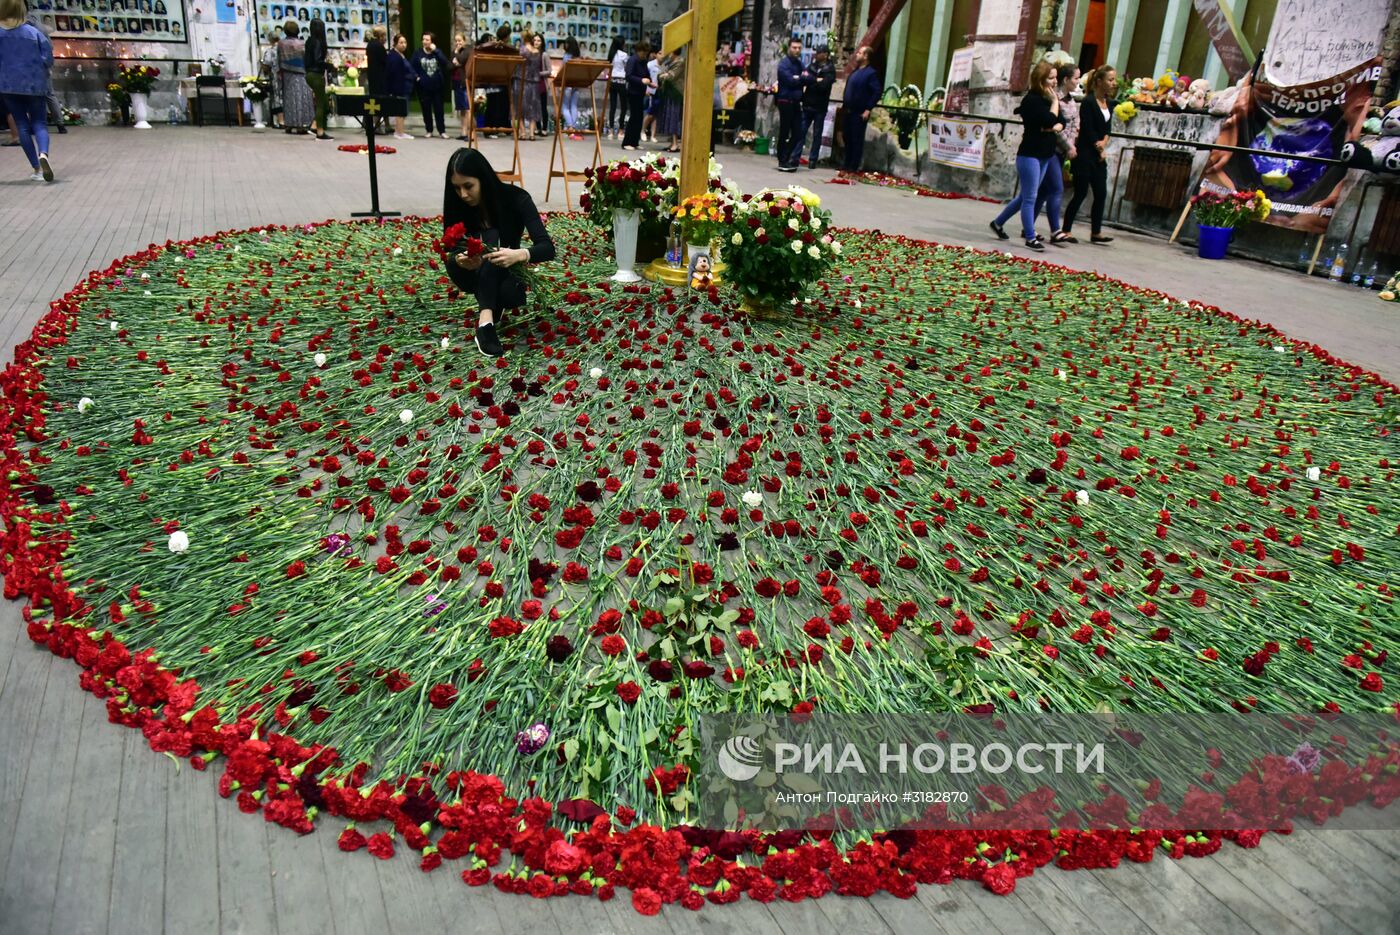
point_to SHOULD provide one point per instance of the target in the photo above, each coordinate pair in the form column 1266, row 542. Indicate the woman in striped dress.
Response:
column 298, row 105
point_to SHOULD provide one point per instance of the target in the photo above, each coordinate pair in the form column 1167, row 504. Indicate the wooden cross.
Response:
column 698, row 28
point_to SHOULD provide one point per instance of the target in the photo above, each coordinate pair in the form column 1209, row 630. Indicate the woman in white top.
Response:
column 617, row 91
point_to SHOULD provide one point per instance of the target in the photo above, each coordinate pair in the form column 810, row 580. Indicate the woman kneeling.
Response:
column 497, row 215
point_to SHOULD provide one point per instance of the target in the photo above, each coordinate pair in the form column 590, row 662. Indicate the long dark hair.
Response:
column 318, row 29
column 617, row 46
column 571, row 47
column 495, row 197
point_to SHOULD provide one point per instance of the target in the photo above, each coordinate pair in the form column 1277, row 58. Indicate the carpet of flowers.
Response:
column 293, row 528
column 363, row 149
column 894, row 181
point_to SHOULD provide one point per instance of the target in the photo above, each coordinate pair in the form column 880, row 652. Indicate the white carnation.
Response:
column 1314, row 473
column 114, row 326
column 406, row 416
column 1082, row 497
column 596, row 373
column 444, row 344
column 320, row 359
column 84, row 404
column 179, row 542
column 753, row 499
column 398, row 251
column 145, row 275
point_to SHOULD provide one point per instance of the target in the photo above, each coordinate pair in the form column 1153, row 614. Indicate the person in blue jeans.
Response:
column 792, row 81
column 26, row 58
column 1036, row 157
column 862, row 94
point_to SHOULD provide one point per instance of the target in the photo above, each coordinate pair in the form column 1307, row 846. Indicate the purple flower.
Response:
column 436, row 605
column 337, row 543
column 1305, row 759
column 532, row 739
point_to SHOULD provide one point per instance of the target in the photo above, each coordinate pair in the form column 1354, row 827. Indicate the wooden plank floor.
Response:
column 99, row 835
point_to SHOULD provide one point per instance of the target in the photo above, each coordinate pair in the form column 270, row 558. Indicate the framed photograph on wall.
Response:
column 78, row 19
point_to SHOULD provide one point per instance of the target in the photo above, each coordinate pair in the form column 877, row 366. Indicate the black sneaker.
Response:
column 999, row 231
column 487, row 342
column 1035, row 244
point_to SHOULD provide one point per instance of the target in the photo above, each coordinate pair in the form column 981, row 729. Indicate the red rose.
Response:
column 646, row 901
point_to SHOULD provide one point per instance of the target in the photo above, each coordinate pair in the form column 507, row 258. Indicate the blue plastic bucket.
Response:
column 1213, row 241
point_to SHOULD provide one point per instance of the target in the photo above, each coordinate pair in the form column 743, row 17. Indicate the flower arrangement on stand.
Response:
column 703, row 218
column 1218, row 214
column 745, row 139
column 780, row 243
column 138, row 80
column 899, row 113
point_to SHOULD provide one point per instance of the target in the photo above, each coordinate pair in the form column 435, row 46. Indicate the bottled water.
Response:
column 1371, row 274
column 1339, row 263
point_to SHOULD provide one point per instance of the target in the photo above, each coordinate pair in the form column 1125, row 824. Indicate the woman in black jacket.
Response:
column 1090, row 164
column 497, row 215
column 1040, row 121
column 638, row 80
column 317, row 64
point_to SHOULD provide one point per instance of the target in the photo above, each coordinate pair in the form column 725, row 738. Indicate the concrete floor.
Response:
column 99, row 835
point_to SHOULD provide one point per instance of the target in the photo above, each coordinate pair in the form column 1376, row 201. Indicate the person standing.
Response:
column 1089, row 163
column 298, row 105
column 649, row 106
column 541, row 86
column 269, row 71
column 55, row 106
column 400, row 81
column 529, row 90
column 862, row 93
column 1040, row 122
column 816, row 99
column 670, row 93
column 317, row 64
column 792, row 81
column 571, row 51
column 432, row 69
column 461, row 53
column 499, row 104
column 1054, row 184
column 617, row 87
column 638, row 80
column 26, row 60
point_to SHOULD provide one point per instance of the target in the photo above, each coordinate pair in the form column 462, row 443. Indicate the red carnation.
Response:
column 442, row 695
column 381, row 845
column 1000, row 879
column 629, row 692
column 646, row 901
column 1372, row 682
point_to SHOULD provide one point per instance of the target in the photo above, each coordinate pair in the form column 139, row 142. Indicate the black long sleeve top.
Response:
column 1037, row 122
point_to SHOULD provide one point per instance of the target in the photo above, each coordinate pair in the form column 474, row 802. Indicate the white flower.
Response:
column 114, row 326
column 1280, row 349
column 237, row 247
column 145, row 275
column 797, row 246
column 1082, row 497
column 179, row 542
column 737, row 239
column 813, row 251
column 1062, row 375
column 444, row 344
column 816, row 224
column 84, row 404
column 792, row 223
column 320, row 359
column 836, row 246
column 406, row 416
column 596, row 373
column 858, row 302
column 753, row 499
column 147, row 293
column 398, row 251
column 1314, row 473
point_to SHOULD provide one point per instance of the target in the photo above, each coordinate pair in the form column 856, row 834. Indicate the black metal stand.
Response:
column 368, row 110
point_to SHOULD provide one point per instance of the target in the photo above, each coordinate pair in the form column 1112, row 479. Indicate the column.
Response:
column 894, row 58
column 937, row 71
column 1076, row 28
column 1215, row 69
column 1120, row 34
column 1173, row 35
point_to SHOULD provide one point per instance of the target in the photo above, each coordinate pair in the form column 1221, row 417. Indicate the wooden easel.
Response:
column 575, row 73
column 496, row 70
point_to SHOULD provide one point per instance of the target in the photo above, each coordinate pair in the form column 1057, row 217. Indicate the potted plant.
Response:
column 780, row 241
column 1218, row 213
column 138, row 80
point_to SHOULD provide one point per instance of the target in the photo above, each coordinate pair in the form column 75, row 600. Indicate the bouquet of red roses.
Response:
column 454, row 241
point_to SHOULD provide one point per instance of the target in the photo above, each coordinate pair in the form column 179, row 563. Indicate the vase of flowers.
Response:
column 121, row 99
column 626, row 223
column 138, row 80
column 702, row 218
column 255, row 91
column 780, row 242
column 1218, row 213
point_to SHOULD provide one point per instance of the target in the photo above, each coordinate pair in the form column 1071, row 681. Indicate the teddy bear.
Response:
column 1376, row 151
column 1197, row 95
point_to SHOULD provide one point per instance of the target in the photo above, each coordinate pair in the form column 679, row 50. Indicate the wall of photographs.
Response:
column 813, row 27
column 140, row 20
column 347, row 23
column 592, row 24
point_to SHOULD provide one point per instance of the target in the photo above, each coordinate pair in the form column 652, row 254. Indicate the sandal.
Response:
column 1099, row 238
column 1064, row 237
